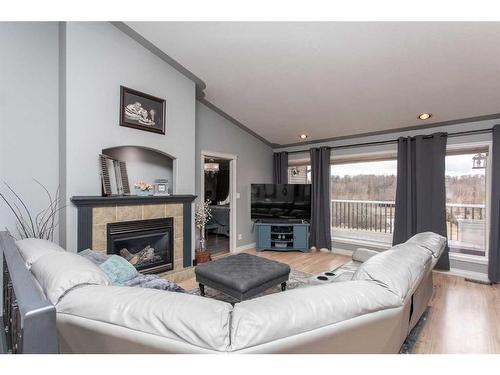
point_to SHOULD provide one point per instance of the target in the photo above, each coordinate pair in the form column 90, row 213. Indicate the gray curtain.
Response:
column 494, row 251
column 421, row 191
column 280, row 167
column 320, row 198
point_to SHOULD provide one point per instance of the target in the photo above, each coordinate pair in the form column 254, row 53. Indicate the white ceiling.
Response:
column 337, row 79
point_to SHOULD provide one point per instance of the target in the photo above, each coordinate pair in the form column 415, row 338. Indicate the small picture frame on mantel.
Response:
column 161, row 187
column 142, row 111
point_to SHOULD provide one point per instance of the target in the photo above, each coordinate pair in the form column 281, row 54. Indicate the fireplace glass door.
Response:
column 146, row 244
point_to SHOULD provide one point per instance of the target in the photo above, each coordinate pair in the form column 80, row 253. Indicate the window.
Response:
column 466, row 202
column 363, row 197
column 362, row 200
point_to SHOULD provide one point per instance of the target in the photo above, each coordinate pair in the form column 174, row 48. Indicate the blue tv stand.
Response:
column 282, row 236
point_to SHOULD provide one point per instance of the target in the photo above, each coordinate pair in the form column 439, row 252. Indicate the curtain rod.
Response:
column 391, row 141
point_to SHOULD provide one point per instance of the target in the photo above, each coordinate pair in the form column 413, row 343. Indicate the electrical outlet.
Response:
column 238, row 195
column 240, row 236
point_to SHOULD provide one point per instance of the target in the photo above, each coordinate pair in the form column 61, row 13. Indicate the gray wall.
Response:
column 100, row 58
column 254, row 165
column 28, row 112
column 76, row 112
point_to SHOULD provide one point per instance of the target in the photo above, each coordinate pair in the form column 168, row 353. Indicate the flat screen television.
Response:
column 281, row 202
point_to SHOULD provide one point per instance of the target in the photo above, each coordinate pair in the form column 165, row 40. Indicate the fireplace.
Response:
column 147, row 244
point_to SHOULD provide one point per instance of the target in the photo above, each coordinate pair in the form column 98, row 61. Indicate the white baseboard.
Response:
column 361, row 243
column 241, row 248
column 466, row 274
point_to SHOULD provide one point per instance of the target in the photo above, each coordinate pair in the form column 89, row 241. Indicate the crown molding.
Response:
column 122, row 26
column 389, row 131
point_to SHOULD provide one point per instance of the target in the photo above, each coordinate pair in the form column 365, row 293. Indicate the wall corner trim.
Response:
column 122, row 26
column 62, row 132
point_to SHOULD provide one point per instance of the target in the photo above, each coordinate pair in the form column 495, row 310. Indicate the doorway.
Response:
column 218, row 187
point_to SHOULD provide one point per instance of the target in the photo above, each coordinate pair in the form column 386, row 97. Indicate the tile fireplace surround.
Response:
column 94, row 213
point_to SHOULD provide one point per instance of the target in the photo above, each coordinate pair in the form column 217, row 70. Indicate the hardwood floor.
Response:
column 464, row 317
column 217, row 244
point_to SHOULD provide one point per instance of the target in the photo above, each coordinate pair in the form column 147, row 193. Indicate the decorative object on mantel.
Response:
column 161, row 187
column 118, row 185
column 142, row 188
column 142, row 111
column 211, row 167
column 202, row 216
column 123, row 177
column 30, row 224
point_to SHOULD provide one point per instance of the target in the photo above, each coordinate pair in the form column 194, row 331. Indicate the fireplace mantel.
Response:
column 87, row 205
column 95, row 201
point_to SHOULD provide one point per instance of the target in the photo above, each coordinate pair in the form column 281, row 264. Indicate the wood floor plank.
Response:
column 464, row 317
column 217, row 244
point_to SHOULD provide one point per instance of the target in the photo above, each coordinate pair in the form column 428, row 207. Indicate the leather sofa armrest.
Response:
column 362, row 255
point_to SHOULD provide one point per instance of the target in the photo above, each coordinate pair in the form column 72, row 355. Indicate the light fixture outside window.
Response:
column 479, row 161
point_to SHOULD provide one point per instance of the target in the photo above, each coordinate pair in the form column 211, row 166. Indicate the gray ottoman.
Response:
column 242, row 276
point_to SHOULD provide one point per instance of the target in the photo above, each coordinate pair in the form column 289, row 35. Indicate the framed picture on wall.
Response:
column 142, row 111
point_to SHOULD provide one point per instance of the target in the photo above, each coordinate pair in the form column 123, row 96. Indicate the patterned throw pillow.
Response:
column 118, row 269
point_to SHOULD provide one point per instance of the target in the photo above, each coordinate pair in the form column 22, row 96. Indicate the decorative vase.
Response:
column 202, row 241
column 141, row 193
column 202, row 245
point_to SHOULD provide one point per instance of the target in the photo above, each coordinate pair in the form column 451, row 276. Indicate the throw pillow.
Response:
column 32, row 249
column 118, row 269
column 59, row 273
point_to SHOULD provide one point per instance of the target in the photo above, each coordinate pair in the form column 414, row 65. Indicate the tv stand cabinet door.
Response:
column 263, row 237
column 301, row 237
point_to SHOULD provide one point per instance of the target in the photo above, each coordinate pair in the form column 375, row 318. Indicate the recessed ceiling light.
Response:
column 303, row 136
column 424, row 116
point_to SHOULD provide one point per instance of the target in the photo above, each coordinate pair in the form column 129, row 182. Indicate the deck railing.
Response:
column 378, row 216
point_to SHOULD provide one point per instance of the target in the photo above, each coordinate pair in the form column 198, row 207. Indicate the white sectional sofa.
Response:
column 373, row 312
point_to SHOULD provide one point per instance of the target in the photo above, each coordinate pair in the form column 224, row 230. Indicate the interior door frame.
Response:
column 232, row 190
